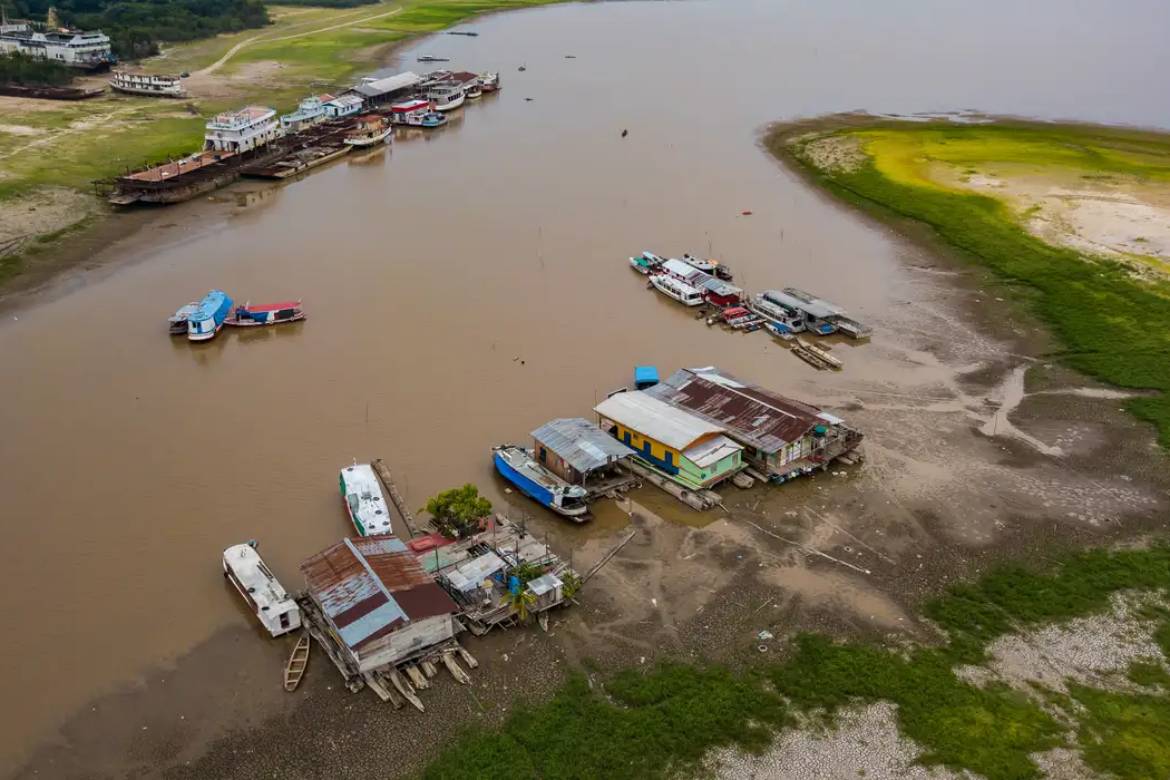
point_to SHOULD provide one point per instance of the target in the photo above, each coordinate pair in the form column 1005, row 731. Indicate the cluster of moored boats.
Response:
column 786, row 313
column 203, row 319
column 255, row 141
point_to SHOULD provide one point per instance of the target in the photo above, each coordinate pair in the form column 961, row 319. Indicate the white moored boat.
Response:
column 698, row 263
column 364, row 501
column 673, row 288
column 446, row 97
column 147, row 84
column 247, row 572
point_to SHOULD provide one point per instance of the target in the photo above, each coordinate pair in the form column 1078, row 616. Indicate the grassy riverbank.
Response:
column 656, row 723
column 51, row 152
column 1077, row 217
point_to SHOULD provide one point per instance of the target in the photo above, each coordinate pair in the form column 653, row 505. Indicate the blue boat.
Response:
column 433, row 119
column 779, row 330
column 209, row 316
column 645, row 376
column 517, row 465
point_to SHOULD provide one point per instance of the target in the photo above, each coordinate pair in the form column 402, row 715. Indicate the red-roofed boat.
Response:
column 248, row 316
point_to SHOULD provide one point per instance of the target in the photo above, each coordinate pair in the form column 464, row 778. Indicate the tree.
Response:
column 457, row 511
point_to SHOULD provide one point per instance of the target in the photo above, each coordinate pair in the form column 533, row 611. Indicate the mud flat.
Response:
column 1075, row 217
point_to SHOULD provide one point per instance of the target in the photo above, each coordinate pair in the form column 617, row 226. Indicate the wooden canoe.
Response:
column 297, row 663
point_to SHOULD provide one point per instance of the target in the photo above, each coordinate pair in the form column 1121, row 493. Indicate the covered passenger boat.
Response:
column 208, row 317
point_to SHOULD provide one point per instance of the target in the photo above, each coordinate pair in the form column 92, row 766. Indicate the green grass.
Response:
column 659, row 722
column 1149, row 674
column 651, row 724
column 1113, row 327
column 1124, row 735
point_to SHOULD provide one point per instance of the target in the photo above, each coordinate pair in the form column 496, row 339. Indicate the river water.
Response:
column 463, row 288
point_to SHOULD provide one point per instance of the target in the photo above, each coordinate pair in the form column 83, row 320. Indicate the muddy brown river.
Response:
column 465, row 286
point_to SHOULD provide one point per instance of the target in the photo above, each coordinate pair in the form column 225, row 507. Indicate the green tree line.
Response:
column 136, row 27
column 27, row 71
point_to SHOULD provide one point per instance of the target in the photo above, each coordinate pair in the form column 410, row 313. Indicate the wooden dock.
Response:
column 383, row 472
column 699, row 500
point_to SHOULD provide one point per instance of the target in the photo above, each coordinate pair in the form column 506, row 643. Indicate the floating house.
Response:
column 690, row 450
column 782, row 438
column 384, row 86
column 576, row 450
column 378, row 607
column 715, row 291
column 346, row 105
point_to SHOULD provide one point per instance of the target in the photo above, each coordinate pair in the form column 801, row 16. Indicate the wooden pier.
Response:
column 699, row 500
column 383, row 472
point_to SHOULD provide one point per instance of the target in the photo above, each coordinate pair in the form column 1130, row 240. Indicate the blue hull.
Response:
column 526, row 486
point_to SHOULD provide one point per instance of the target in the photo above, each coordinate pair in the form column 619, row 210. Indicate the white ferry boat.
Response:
column 364, row 501
column 698, row 263
column 85, row 50
column 676, row 289
column 241, row 131
column 446, row 97
column 147, row 84
column 274, row 608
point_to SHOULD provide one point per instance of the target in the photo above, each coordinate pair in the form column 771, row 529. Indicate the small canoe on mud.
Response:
column 297, row 663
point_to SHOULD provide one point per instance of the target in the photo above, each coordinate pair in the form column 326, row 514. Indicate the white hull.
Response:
column 170, row 93
column 683, row 293
column 454, row 103
column 373, row 140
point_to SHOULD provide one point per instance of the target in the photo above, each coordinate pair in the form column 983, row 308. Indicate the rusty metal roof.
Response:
column 580, row 443
column 751, row 415
column 369, row 587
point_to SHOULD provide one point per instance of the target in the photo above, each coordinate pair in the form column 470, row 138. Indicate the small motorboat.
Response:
column 433, row 119
column 779, row 330
column 723, row 272
column 700, row 264
column 248, row 316
column 646, row 263
column 178, row 320
column 209, row 316
column 489, row 82
column 433, row 58
column 518, row 466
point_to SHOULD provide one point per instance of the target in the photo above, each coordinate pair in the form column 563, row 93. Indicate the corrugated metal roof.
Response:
column 371, row 586
column 581, row 443
column 471, row 574
column 810, row 299
column 709, row 452
column 543, row 584
column 811, row 306
column 655, row 418
column 751, row 415
column 374, row 85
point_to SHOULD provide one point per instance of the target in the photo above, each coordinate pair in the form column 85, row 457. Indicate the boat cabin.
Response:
column 714, row 291
column 266, row 597
column 645, row 376
column 410, row 111
column 816, row 315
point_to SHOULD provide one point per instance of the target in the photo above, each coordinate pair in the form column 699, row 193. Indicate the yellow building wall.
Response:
column 657, row 448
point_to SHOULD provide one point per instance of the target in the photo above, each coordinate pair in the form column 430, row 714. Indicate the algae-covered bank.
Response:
column 1077, row 216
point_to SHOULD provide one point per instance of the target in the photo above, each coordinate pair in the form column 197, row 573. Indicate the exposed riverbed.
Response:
column 466, row 286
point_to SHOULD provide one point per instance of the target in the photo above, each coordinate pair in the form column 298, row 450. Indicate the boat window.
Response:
column 284, row 620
